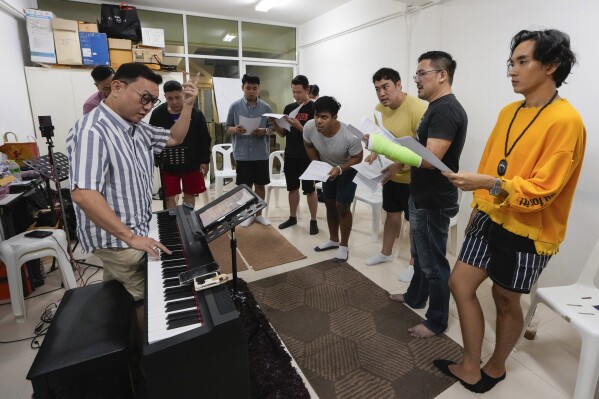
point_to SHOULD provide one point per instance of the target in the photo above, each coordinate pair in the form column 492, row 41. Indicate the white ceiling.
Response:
column 293, row 12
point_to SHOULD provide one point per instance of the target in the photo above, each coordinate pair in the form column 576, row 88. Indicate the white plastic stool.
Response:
column 19, row 249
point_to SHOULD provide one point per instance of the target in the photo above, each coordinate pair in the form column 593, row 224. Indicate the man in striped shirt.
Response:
column 111, row 155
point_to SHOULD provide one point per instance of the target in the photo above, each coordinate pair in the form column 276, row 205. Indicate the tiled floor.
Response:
column 543, row 368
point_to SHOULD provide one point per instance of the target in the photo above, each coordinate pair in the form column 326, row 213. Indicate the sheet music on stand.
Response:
column 44, row 167
column 229, row 210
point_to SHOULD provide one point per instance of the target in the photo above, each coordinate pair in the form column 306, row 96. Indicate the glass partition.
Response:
column 212, row 36
column 268, row 41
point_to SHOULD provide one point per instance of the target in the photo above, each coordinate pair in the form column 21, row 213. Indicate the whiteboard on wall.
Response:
column 226, row 92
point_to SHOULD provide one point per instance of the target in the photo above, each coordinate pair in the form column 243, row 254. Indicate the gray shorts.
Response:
column 510, row 260
column 127, row 266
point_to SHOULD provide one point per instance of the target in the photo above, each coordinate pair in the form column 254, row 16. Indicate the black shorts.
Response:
column 510, row 260
column 294, row 167
column 252, row 172
column 395, row 197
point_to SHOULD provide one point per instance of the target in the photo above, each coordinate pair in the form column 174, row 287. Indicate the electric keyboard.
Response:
column 195, row 344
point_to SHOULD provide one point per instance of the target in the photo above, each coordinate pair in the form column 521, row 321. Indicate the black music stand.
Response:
column 170, row 156
column 226, row 212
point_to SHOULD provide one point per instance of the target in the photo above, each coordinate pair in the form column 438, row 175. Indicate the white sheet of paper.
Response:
column 378, row 117
column 370, row 184
column 317, row 170
column 368, row 126
column 280, row 118
column 419, row 149
column 371, row 171
column 293, row 114
column 356, row 132
column 250, row 124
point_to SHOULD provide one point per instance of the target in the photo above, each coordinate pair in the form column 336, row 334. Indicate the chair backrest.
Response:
column 590, row 268
column 273, row 158
column 226, row 154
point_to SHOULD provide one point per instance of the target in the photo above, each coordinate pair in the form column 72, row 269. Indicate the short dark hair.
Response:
column 102, row 72
column 132, row 71
column 326, row 104
column 551, row 47
column 442, row 61
column 172, row 85
column 301, row 80
column 314, row 90
column 250, row 79
column 387, row 74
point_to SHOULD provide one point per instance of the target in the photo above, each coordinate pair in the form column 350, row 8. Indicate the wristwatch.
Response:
column 496, row 189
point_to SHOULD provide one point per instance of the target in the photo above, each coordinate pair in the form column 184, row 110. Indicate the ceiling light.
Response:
column 265, row 5
column 229, row 37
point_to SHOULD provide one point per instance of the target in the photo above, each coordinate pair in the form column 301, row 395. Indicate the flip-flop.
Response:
column 318, row 249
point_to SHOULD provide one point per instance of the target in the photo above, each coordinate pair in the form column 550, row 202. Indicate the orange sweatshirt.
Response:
column 542, row 172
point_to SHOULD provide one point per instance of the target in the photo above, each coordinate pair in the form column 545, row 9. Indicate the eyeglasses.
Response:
column 145, row 98
column 420, row 74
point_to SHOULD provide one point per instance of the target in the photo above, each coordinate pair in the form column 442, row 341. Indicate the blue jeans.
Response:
column 431, row 268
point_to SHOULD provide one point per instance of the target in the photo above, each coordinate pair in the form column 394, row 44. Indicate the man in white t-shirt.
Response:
column 329, row 140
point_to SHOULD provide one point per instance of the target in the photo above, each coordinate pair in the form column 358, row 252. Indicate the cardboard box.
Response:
column 119, row 44
column 119, row 57
column 94, row 48
column 88, row 26
column 120, row 51
column 41, row 37
column 147, row 55
column 66, row 40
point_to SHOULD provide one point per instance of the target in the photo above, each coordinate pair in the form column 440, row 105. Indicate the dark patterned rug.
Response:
column 349, row 339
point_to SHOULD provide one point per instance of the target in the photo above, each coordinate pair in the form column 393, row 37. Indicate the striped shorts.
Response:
column 510, row 260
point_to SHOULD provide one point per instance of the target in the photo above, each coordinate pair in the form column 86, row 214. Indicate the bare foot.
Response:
column 421, row 331
column 397, row 298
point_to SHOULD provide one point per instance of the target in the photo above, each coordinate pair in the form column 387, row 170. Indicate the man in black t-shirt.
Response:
column 296, row 158
column 434, row 200
column 197, row 148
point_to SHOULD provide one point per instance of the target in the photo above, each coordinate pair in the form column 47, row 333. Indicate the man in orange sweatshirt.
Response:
column 523, row 192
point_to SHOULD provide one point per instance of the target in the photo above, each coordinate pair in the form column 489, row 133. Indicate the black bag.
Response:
column 120, row 21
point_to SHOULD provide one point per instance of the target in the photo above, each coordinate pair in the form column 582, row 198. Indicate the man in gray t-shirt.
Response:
column 328, row 140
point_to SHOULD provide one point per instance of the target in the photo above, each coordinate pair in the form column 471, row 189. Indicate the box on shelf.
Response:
column 66, row 40
column 147, row 54
column 41, row 38
column 120, row 51
column 94, row 48
column 88, row 26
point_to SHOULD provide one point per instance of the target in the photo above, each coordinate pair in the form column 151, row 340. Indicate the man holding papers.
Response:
column 296, row 158
column 329, row 140
column 433, row 199
column 249, row 135
column 400, row 114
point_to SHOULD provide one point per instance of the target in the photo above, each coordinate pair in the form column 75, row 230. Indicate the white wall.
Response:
column 15, row 113
column 477, row 33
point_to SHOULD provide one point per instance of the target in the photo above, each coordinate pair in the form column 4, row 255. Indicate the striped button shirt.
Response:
column 115, row 158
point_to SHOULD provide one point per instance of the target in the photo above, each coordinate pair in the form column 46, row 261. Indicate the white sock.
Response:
column 379, row 258
column 328, row 244
column 342, row 253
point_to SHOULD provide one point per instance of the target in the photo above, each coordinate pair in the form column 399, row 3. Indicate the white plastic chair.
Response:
column 452, row 238
column 375, row 200
column 19, row 249
column 575, row 304
column 226, row 171
column 206, row 194
column 277, row 179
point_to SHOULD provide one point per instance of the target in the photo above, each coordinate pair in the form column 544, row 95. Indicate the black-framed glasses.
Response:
column 420, row 74
column 145, row 98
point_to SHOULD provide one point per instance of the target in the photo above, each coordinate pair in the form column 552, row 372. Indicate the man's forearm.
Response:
column 95, row 207
column 181, row 127
column 312, row 153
